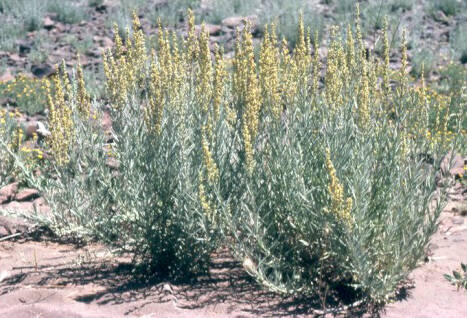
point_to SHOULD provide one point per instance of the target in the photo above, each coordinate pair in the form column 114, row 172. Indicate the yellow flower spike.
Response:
column 129, row 44
column 316, row 65
column 66, row 80
column 340, row 208
column 289, row 75
column 179, row 70
column 204, row 87
column 211, row 167
column 350, row 51
column 253, row 96
column 360, row 45
column 60, row 123
column 83, row 99
column 246, row 85
column 139, row 47
column 364, row 98
column 118, row 43
column 239, row 81
column 385, row 69
column 192, row 40
column 247, row 143
column 17, row 139
column 220, row 78
column 156, row 98
column 269, row 72
column 205, row 205
column 404, row 81
column 302, row 57
column 333, row 80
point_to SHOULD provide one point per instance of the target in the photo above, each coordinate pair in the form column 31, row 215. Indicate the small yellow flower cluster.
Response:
column 29, row 93
column 340, row 208
column 17, row 136
column 2, row 117
column 17, row 139
column 33, row 153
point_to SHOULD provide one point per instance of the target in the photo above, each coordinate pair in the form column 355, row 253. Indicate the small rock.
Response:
column 15, row 58
column 31, row 129
column 14, row 225
column 441, row 17
column 103, row 41
column 3, row 275
column 39, row 201
column 41, row 130
column 6, row 77
column 95, row 53
column 233, row 22
column 24, row 49
column 106, row 121
column 36, row 127
column 3, row 231
column 27, row 195
column 48, row 23
column 3, row 199
column 10, row 190
column 211, row 29
column 458, row 220
column 167, row 289
column 453, row 164
column 112, row 163
column 15, row 206
column 102, row 8
column 43, row 70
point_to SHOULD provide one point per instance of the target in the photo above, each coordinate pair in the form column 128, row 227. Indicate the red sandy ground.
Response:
column 47, row 279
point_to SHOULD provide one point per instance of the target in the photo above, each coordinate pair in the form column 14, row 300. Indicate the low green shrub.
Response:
column 7, row 135
column 457, row 279
column 67, row 11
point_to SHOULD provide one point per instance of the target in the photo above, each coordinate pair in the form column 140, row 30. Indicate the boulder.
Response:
column 48, row 23
column 27, row 195
column 238, row 21
column 9, row 191
column 43, row 70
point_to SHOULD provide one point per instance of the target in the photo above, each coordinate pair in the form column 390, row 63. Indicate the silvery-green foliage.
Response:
column 7, row 127
column 138, row 193
column 159, row 214
column 81, row 192
column 279, row 223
